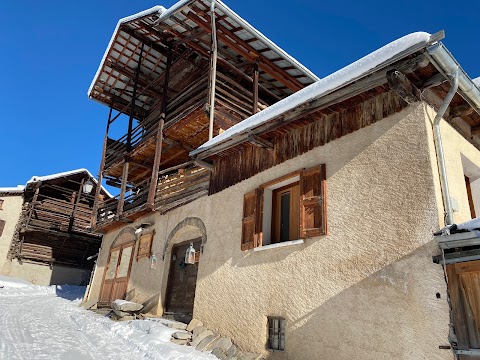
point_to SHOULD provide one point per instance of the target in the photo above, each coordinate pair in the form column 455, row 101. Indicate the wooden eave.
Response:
column 187, row 32
column 418, row 70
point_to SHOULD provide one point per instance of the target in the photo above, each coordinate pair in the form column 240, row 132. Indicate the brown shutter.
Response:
column 313, row 210
column 2, row 226
column 251, row 223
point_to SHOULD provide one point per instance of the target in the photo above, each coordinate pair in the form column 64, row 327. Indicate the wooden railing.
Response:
column 181, row 188
column 174, row 189
column 54, row 213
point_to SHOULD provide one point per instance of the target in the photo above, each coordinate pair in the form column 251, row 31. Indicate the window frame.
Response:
column 257, row 218
column 280, row 337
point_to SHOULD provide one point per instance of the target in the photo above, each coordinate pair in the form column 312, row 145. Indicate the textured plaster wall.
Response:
column 455, row 146
column 10, row 213
column 367, row 290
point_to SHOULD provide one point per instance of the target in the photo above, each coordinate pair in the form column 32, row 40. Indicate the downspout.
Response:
column 213, row 69
column 447, row 202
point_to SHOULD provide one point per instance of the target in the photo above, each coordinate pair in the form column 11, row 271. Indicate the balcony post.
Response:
column 93, row 220
column 158, row 149
column 255, row 87
column 126, row 164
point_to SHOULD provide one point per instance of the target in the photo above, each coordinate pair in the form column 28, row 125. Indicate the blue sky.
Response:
column 51, row 50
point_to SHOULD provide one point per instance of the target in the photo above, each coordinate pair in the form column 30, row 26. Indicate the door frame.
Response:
column 113, row 248
column 171, row 267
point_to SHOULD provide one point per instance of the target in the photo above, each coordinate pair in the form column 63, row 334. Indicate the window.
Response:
column 276, row 334
column 1, row 204
column 289, row 208
column 470, row 197
column 2, row 226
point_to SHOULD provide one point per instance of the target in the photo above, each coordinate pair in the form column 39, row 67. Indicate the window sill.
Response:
column 277, row 245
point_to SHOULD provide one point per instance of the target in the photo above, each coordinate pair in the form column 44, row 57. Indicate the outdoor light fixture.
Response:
column 88, row 186
column 190, row 255
column 142, row 226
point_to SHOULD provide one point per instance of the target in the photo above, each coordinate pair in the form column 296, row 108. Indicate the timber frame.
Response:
column 158, row 73
column 387, row 90
column 54, row 227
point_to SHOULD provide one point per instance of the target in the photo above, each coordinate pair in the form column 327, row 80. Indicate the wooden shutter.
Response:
column 313, row 216
column 464, row 291
column 2, row 226
column 252, row 219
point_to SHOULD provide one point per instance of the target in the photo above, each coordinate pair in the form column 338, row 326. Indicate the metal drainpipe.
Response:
column 213, row 69
column 439, row 147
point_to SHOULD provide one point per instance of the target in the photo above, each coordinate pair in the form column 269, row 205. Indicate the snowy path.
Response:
column 40, row 323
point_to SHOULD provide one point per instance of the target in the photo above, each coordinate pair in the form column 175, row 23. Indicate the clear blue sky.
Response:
column 50, row 51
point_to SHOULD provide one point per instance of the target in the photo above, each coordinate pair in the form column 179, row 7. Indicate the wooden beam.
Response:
column 204, row 164
column 247, row 51
column 258, row 141
column 460, row 110
column 353, row 89
column 399, row 83
column 475, row 130
column 93, row 221
column 158, row 148
column 123, row 188
column 159, row 48
column 255, row 87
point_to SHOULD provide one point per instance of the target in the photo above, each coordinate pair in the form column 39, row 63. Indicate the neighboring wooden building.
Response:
column 310, row 203
column 46, row 236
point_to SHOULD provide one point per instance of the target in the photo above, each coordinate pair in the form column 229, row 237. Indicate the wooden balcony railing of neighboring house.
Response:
column 175, row 188
column 68, row 211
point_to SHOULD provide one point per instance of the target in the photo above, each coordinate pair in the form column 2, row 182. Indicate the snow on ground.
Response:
column 43, row 323
column 12, row 282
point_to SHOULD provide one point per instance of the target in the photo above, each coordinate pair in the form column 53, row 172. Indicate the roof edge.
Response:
column 366, row 65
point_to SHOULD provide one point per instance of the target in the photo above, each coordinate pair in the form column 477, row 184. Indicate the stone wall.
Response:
column 367, row 290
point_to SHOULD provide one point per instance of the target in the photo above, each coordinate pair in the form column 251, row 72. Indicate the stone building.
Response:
column 310, row 203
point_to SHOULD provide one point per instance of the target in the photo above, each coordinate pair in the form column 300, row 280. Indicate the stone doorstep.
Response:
column 204, row 345
column 174, row 324
column 198, row 330
column 200, row 337
column 182, row 335
column 205, row 340
column 193, row 324
column 223, row 343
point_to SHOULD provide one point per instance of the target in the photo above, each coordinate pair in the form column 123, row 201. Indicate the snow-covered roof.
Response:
column 379, row 58
column 12, row 190
column 35, row 179
column 477, row 81
column 113, row 77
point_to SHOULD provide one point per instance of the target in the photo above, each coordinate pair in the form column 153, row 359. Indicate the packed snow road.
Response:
column 45, row 322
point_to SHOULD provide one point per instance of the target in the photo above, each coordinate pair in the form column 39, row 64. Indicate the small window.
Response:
column 470, row 197
column 285, row 213
column 289, row 208
column 1, row 204
column 2, row 226
column 276, row 334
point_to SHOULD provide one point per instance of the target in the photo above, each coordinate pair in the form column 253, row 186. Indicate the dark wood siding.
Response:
column 240, row 165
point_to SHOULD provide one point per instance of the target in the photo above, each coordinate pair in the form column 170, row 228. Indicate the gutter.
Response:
column 446, row 64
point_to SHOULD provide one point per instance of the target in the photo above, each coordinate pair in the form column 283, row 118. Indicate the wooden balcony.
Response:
column 175, row 187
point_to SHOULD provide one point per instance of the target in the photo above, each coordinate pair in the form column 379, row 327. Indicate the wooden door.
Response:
column 464, row 289
column 117, row 272
column 182, row 279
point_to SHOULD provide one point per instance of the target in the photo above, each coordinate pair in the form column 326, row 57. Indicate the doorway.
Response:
column 182, row 279
column 117, row 272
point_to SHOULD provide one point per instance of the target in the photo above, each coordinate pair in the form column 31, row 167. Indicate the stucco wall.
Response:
column 10, row 213
column 367, row 290
column 455, row 147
